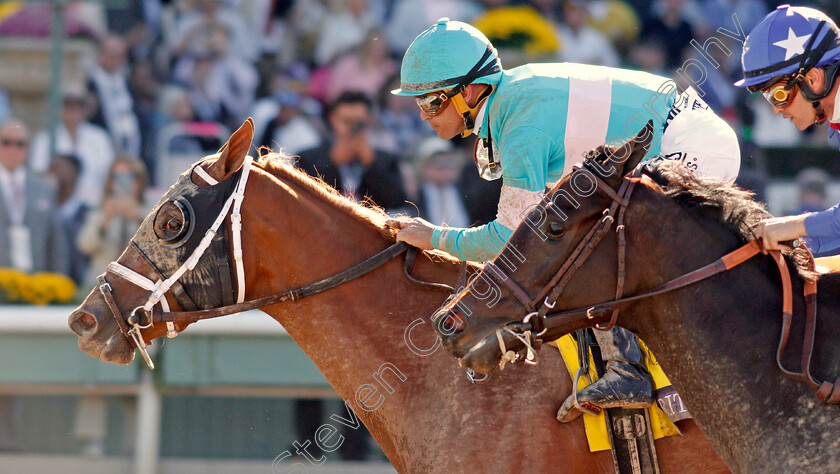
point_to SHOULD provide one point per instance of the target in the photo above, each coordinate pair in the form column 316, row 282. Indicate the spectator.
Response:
column 290, row 130
column 145, row 89
column 481, row 197
column 138, row 21
column 581, row 43
column 670, row 28
column 718, row 13
column 439, row 166
column 348, row 161
column 5, row 105
column 174, row 107
column 108, row 228
column 410, row 16
column 199, row 22
column 76, row 136
column 398, row 117
column 31, row 239
column 551, row 10
column 114, row 107
column 364, row 69
column 344, row 27
column 293, row 78
column 616, row 19
column 72, row 211
column 812, row 184
column 648, row 55
column 221, row 84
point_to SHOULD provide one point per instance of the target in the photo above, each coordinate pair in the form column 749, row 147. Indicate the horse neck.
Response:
column 354, row 333
column 717, row 339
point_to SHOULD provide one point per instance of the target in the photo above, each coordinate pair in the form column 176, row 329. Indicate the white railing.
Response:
column 53, row 320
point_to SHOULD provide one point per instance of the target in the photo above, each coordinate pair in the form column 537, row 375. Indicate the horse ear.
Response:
column 638, row 148
column 232, row 154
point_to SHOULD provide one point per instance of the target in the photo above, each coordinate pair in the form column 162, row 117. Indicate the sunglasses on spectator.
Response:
column 432, row 104
column 12, row 142
column 779, row 95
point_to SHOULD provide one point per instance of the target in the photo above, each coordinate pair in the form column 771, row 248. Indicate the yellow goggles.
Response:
column 432, row 104
column 778, row 95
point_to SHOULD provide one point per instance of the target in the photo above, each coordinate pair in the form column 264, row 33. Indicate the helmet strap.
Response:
column 819, row 111
column 831, row 72
column 468, row 113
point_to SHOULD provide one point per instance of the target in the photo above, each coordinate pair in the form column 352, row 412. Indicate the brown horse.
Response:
column 716, row 339
column 370, row 336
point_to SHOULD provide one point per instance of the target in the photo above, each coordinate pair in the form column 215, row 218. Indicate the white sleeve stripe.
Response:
column 512, row 204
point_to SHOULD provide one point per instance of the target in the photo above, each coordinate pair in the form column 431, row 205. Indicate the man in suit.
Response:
column 31, row 239
column 348, row 160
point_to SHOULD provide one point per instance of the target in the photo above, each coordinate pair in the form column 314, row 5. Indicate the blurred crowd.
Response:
column 170, row 77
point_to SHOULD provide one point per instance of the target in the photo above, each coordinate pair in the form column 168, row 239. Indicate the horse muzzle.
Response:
column 99, row 339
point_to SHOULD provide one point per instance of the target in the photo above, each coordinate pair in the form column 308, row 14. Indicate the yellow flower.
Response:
column 519, row 27
column 39, row 288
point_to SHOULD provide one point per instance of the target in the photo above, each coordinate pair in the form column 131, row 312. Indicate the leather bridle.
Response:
column 539, row 318
column 156, row 309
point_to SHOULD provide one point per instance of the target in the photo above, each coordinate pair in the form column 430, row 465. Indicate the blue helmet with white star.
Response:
column 789, row 41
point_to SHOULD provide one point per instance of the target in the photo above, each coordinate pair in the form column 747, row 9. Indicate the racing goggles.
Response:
column 779, row 94
column 433, row 104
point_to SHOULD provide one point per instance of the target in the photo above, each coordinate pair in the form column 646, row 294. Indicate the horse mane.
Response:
column 733, row 207
column 277, row 164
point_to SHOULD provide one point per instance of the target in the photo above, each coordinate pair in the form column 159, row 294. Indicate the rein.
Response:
column 540, row 319
column 356, row 271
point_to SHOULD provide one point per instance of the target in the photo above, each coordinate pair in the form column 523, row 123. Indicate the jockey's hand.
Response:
column 780, row 229
column 414, row 231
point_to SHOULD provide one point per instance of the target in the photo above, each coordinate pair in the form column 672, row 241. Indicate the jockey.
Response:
column 793, row 58
column 532, row 123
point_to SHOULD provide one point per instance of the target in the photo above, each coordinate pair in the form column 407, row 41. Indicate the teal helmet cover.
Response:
column 448, row 54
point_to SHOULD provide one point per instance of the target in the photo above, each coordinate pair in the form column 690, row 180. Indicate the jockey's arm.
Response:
column 524, row 166
column 823, row 229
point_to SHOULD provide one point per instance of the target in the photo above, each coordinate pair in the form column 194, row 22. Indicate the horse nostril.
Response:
column 82, row 322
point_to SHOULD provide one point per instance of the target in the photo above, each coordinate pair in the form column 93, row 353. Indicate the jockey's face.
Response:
column 446, row 123
column 799, row 110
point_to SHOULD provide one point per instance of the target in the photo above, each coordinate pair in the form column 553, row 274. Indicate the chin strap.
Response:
column 468, row 113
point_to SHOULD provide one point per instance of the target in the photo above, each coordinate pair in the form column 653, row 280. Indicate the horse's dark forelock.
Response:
column 733, row 207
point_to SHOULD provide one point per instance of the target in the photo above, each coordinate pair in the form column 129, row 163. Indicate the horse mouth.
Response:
column 94, row 342
column 485, row 356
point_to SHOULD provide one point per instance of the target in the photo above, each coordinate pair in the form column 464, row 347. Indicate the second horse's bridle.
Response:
column 539, row 318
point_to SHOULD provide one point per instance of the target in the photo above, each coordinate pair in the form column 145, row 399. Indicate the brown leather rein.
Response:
column 540, row 319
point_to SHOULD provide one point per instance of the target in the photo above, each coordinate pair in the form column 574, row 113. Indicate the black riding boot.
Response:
column 626, row 384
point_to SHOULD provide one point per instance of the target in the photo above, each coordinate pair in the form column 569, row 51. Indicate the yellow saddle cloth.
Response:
column 596, row 425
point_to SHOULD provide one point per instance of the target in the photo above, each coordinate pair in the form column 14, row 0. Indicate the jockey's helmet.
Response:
column 448, row 55
column 786, row 44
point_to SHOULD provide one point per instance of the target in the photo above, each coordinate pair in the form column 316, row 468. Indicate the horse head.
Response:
column 480, row 325
column 175, row 237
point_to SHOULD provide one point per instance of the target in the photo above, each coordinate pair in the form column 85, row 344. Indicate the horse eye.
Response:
column 172, row 222
column 555, row 230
